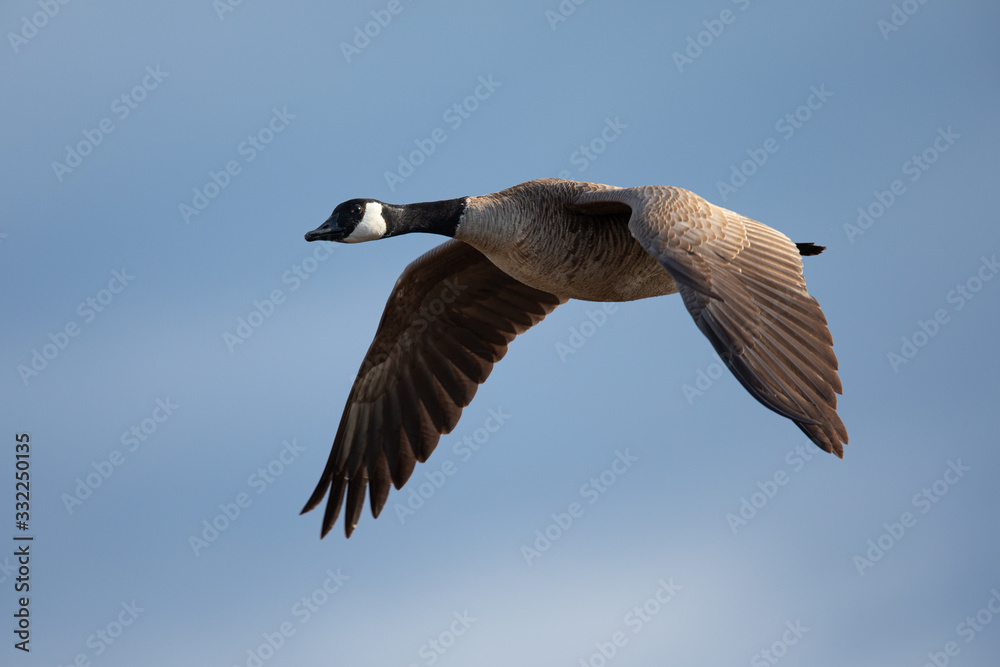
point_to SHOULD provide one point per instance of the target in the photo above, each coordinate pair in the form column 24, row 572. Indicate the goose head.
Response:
column 354, row 221
column 358, row 220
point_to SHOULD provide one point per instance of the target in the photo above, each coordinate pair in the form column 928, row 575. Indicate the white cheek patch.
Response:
column 371, row 227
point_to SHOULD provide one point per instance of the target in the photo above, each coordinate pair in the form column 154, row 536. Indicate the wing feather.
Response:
column 742, row 283
column 449, row 319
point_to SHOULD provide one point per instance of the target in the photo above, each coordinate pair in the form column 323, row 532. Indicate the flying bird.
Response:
column 512, row 257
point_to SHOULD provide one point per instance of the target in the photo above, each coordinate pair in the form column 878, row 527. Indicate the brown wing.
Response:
column 449, row 318
column 742, row 283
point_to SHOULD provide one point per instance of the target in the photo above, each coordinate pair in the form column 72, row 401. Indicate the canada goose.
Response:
column 516, row 255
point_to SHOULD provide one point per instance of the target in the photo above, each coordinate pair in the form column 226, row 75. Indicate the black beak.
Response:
column 328, row 231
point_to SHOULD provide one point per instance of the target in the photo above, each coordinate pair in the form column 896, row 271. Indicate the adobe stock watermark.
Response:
column 263, row 309
column 87, row 310
column 418, row 493
column 363, row 35
column 924, row 500
column 967, row 630
column 425, row 317
column 786, row 126
column 258, row 481
column 122, row 107
column 249, row 149
column 958, row 297
column 31, row 25
column 582, row 157
column 768, row 488
column 7, row 569
column 585, row 330
column 562, row 12
column 635, row 620
column 302, row 611
column 131, row 439
column 429, row 313
column 704, row 379
column 698, row 43
column 898, row 17
column 915, row 167
column 102, row 639
column 592, row 490
column 223, row 7
column 779, row 648
column 454, row 116
column 434, row 648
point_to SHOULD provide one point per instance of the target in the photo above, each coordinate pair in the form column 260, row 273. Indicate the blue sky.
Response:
column 160, row 166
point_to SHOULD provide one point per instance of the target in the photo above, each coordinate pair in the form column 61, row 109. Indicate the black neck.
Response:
column 435, row 217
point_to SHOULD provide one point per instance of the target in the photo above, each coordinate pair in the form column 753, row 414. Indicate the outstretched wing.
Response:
column 742, row 283
column 450, row 317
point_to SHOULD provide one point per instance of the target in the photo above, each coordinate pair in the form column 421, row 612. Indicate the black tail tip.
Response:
column 810, row 248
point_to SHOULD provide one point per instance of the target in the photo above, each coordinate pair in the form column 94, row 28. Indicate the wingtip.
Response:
column 328, row 526
column 838, row 449
column 328, row 523
column 308, row 507
column 832, row 447
column 314, row 500
column 830, row 440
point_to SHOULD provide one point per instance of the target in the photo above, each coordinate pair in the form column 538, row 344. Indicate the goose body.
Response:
column 518, row 253
column 539, row 233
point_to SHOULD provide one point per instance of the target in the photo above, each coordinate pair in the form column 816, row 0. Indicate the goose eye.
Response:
column 356, row 209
